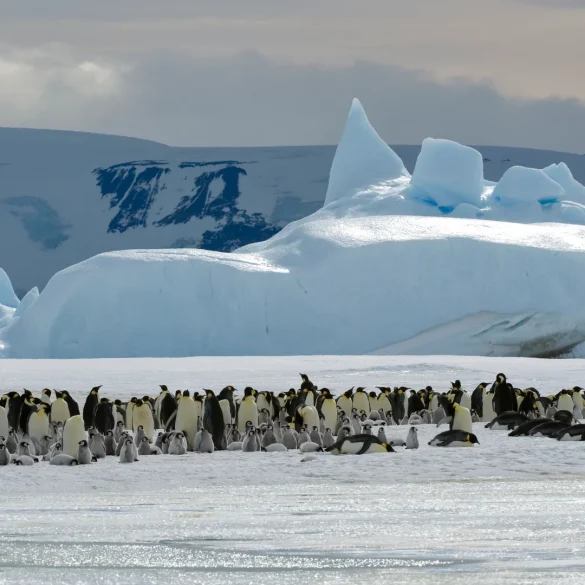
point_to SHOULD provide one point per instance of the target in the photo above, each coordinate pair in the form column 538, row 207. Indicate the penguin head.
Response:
column 179, row 435
column 413, row 430
column 120, row 423
column 209, row 394
column 104, row 400
column 138, row 403
column 46, row 392
column 23, row 444
column 128, row 442
column 501, row 378
column 27, row 393
column 388, row 447
column 178, row 394
column 58, row 394
column 82, row 443
column 146, row 399
column 140, row 428
column 73, row 462
column 95, row 389
column 472, row 439
column 145, row 439
column 43, row 407
column 367, row 427
column 186, row 394
column 163, row 388
column 109, row 433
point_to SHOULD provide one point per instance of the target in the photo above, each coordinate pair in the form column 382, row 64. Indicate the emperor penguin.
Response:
column 73, row 406
column 315, row 436
column 344, row 432
column 129, row 412
column 97, row 446
column 361, row 401
column 5, row 456
column 488, row 413
column 139, row 435
column 144, row 448
column 344, row 402
column 63, row 459
column 328, row 408
column 73, row 432
column 142, row 417
column 577, row 398
column 90, row 405
column 565, row 401
column 4, row 427
column 356, row 424
column 381, row 435
column 289, row 439
column 60, row 410
column 127, row 453
column 250, row 444
column 28, row 406
column 46, row 396
column 412, row 438
column 84, row 455
column 213, row 421
column 110, row 443
column 11, row 442
column 454, row 439
column 504, row 396
column 383, row 400
column 360, row 445
column 248, row 410
column 189, row 414
column 118, row 430
column 13, row 407
column 103, row 416
column 24, row 448
column 328, row 439
column 206, row 444
column 178, row 443
column 269, row 437
column 461, row 419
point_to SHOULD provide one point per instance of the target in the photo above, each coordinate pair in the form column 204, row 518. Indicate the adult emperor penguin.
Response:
column 142, row 417
column 189, row 414
column 73, row 406
column 415, row 403
column 60, row 409
column 309, row 415
column 4, row 426
column 383, row 400
column 504, row 396
column 168, row 406
column 14, row 406
column 248, row 410
column 461, row 419
column 38, row 422
column 507, row 421
column 359, row 445
column 344, row 402
column 565, row 400
column 361, row 401
column 73, row 432
column 454, row 439
column 213, row 420
column 28, row 406
column 328, row 408
column 46, row 396
column 129, row 412
column 90, row 405
column 103, row 416
column 577, row 397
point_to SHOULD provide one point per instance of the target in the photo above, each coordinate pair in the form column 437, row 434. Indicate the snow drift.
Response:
column 385, row 263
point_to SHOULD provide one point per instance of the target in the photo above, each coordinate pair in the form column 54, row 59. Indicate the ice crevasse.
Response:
column 438, row 262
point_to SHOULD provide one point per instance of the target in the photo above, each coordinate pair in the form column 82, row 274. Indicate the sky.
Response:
column 279, row 72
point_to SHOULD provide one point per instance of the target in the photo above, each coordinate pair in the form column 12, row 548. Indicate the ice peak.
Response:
column 362, row 158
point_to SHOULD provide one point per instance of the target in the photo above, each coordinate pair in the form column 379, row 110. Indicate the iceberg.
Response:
column 375, row 270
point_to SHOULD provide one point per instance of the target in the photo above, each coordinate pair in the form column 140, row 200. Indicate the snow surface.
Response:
column 375, row 268
column 510, row 507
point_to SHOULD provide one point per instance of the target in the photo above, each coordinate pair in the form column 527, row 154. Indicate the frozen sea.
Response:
column 509, row 511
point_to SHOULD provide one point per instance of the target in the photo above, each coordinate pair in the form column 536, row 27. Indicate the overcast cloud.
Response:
column 258, row 72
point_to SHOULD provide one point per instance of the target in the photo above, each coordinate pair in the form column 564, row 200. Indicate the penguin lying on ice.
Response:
column 454, row 439
column 359, row 445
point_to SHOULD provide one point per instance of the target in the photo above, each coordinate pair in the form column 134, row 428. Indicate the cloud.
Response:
column 252, row 100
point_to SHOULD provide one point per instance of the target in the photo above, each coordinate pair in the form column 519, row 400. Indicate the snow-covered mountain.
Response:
column 440, row 261
column 66, row 196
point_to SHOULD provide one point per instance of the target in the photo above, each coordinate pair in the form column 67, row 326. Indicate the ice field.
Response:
column 510, row 510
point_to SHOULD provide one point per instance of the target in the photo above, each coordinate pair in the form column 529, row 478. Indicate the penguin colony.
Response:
column 53, row 428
